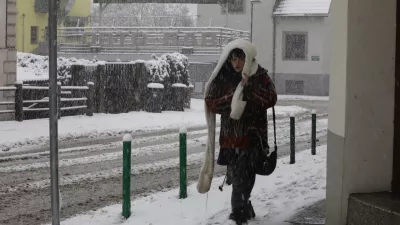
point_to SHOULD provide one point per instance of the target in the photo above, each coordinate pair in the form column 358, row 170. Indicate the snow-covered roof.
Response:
column 302, row 8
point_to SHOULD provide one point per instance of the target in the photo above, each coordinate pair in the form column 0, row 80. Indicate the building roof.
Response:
column 302, row 8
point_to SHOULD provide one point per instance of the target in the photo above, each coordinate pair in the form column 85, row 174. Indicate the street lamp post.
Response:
column 226, row 14
column 53, row 112
column 252, row 2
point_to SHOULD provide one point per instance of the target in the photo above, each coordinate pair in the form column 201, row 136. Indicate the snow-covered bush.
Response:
column 157, row 69
column 168, row 69
column 36, row 67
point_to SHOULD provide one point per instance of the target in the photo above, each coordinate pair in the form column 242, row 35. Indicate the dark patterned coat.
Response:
column 259, row 93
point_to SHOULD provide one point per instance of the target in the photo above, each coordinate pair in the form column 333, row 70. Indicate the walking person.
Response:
column 241, row 91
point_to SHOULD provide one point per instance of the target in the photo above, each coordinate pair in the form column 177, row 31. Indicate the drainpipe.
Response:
column 273, row 48
column 274, row 18
column 23, row 32
column 226, row 14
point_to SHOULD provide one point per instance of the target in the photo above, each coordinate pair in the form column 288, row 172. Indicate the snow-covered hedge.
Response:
column 168, row 69
column 36, row 67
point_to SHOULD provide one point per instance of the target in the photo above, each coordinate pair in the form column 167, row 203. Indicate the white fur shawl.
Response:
column 237, row 105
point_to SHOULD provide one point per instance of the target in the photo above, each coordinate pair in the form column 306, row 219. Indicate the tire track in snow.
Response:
column 103, row 157
column 101, row 147
column 171, row 162
column 192, row 159
column 117, row 146
column 150, row 150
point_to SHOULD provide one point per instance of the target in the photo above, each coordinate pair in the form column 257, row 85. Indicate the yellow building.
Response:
column 32, row 20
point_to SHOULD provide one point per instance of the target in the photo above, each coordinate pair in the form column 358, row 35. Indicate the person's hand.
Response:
column 245, row 79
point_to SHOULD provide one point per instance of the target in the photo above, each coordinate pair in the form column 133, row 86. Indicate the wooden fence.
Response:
column 22, row 106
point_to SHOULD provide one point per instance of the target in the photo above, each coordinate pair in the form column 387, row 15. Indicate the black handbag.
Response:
column 265, row 162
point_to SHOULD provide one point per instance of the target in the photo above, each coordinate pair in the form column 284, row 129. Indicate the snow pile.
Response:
column 276, row 198
column 168, row 69
column 36, row 67
column 155, row 86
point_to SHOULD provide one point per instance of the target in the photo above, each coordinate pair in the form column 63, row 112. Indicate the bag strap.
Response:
column 273, row 117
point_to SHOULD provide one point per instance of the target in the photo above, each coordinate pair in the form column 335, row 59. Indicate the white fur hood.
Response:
column 250, row 66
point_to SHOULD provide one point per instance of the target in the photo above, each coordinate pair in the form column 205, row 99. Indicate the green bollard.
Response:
column 313, row 133
column 292, row 140
column 182, row 156
column 126, row 176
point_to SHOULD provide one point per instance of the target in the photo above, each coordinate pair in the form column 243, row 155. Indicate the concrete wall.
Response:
column 361, row 107
column 312, row 84
column 199, row 75
column 8, row 13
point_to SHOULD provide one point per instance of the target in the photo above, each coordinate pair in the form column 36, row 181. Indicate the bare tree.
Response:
column 152, row 15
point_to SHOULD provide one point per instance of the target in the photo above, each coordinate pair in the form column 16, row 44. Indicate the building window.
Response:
column 295, row 45
column 234, row 6
column 41, row 6
column 34, row 34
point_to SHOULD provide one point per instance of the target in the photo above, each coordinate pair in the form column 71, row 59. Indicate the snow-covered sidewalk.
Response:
column 35, row 132
column 275, row 199
column 303, row 97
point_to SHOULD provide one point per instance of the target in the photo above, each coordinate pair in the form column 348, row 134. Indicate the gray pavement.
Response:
column 313, row 214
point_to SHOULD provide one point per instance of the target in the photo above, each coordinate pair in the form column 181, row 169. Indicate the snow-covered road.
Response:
column 90, row 176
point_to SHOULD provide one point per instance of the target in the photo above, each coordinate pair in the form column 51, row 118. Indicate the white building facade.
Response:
column 292, row 38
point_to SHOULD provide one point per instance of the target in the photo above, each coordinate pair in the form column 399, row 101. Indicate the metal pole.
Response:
column 182, row 156
column 53, row 114
column 19, row 102
column 126, row 176
column 292, row 140
column 226, row 12
column 23, row 32
column 313, row 132
column 251, row 22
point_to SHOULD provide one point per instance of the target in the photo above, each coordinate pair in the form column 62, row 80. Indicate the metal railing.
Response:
column 136, row 21
column 187, row 40
column 31, row 105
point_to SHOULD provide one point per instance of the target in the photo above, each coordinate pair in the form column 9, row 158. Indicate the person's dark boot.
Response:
column 239, row 217
column 250, row 212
